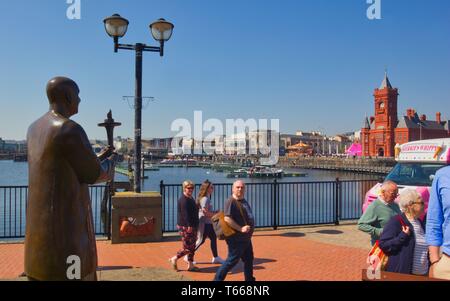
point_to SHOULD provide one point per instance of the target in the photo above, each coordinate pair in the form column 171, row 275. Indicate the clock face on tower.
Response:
column 382, row 105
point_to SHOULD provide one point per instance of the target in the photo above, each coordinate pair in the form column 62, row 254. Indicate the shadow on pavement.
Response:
column 285, row 234
column 239, row 268
column 329, row 232
column 171, row 238
column 111, row 268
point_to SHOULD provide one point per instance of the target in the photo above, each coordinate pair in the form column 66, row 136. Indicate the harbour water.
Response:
column 16, row 174
column 298, row 203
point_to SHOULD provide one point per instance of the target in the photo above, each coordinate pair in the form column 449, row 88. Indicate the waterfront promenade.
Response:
column 301, row 253
column 376, row 166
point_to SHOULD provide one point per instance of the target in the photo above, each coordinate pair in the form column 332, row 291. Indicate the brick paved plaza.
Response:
column 306, row 253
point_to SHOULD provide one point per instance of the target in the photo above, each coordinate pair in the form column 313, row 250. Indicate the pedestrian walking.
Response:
column 403, row 237
column 380, row 211
column 438, row 225
column 205, row 227
column 187, row 225
column 238, row 214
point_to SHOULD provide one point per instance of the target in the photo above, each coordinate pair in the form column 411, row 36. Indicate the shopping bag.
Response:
column 377, row 258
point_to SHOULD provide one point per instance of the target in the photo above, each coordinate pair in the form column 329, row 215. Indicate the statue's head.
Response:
column 64, row 92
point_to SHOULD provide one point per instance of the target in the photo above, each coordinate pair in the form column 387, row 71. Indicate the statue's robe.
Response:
column 59, row 215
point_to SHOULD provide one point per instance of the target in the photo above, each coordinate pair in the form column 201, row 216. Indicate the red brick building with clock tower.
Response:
column 383, row 131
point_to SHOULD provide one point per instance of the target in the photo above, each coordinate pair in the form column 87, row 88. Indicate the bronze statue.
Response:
column 61, row 164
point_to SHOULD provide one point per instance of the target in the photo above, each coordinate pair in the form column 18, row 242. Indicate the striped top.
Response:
column 420, row 258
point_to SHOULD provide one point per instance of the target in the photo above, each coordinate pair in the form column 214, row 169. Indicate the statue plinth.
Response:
column 136, row 217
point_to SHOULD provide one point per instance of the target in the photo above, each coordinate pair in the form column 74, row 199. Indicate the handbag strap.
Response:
column 240, row 209
column 402, row 222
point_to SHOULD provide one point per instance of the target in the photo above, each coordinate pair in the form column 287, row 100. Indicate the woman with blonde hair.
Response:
column 403, row 237
column 187, row 225
column 205, row 227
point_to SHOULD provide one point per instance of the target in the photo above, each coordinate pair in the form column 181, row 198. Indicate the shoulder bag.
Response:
column 377, row 258
column 222, row 229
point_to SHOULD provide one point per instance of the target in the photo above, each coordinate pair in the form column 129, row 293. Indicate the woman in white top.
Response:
column 403, row 237
column 205, row 227
column 413, row 206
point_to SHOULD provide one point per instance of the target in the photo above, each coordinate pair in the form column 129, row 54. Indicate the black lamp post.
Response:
column 116, row 27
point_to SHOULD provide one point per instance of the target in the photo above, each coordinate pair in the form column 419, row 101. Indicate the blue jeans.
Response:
column 237, row 249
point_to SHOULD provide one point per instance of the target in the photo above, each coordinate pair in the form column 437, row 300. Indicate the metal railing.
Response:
column 14, row 201
column 278, row 204
column 274, row 204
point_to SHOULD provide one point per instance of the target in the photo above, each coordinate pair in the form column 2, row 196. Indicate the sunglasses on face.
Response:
column 392, row 193
column 190, row 187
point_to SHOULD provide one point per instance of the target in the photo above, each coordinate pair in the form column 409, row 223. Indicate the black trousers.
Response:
column 209, row 232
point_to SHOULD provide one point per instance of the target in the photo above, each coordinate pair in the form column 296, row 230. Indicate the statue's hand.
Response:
column 105, row 153
column 114, row 157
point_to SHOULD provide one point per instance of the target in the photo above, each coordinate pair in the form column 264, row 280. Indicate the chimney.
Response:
column 423, row 117
column 438, row 117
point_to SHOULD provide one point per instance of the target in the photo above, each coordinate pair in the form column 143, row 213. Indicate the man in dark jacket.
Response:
column 239, row 216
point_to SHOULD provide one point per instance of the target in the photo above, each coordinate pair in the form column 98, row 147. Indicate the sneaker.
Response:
column 217, row 260
column 185, row 258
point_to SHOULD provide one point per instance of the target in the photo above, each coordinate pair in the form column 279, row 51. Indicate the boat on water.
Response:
column 265, row 172
column 257, row 172
column 238, row 173
column 178, row 162
column 150, row 167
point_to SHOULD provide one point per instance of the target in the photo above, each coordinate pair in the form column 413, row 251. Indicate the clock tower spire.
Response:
column 386, row 118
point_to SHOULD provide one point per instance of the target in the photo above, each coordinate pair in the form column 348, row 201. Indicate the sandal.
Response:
column 174, row 264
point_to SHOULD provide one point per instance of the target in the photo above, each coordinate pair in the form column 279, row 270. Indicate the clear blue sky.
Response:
column 311, row 63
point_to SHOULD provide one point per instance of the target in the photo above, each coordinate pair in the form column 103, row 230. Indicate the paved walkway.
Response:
column 309, row 253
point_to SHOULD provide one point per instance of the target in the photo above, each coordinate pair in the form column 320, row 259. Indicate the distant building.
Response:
column 252, row 143
column 343, row 142
column 158, row 147
column 319, row 143
column 380, row 133
column 260, row 142
column 120, row 145
column 12, row 146
column 124, row 145
column 236, row 144
column 219, row 145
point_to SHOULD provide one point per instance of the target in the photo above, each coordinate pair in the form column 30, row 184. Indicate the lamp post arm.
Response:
column 135, row 47
column 151, row 48
column 126, row 46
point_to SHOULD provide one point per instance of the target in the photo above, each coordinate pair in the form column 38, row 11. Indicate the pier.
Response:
column 380, row 166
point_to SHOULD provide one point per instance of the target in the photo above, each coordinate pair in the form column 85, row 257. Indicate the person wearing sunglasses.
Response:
column 380, row 211
column 403, row 237
column 187, row 225
column 205, row 227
